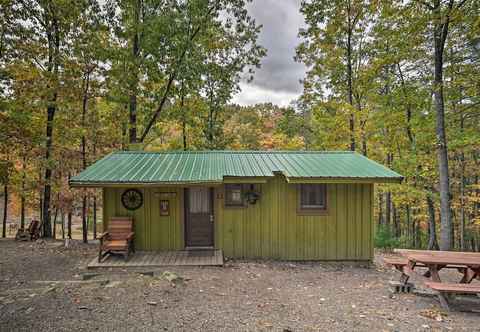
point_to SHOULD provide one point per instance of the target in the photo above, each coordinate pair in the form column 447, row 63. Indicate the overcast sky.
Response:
column 277, row 81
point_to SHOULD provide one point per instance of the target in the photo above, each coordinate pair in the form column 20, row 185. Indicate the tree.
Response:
column 333, row 48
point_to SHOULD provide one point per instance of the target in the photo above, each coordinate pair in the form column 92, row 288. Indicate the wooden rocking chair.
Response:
column 32, row 233
column 118, row 239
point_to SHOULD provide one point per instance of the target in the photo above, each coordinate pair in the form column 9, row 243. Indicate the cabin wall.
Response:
column 152, row 231
column 271, row 228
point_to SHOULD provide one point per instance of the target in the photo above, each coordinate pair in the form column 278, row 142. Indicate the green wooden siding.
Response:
column 152, row 231
column 269, row 229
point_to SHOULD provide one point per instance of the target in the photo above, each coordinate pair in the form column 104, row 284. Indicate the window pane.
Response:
column 236, row 195
column 199, row 200
column 233, row 194
column 313, row 196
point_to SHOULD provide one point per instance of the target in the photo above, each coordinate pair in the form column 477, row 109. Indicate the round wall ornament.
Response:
column 132, row 199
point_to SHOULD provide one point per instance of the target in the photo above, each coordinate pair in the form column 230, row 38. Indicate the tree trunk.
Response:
column 47, row 227
column 396, row 221
column 95, row 217
column 408, row 221
column 350, row 77
column 69, row 224
column 134, row 75
column 388, row 209
column 5, row 210
column 54, row 234
column 381, row 220
column 84, row 218
column 63, row 225
column 22, row 199
column 184, row 120
column 53, row 38
column 462, row 189
column 440, row 36
column 432, row 232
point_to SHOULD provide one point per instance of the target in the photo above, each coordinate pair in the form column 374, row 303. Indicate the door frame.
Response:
column 186, row 215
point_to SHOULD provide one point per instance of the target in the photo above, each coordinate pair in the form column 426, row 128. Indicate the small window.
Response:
column 313, row 197
column 233, row 195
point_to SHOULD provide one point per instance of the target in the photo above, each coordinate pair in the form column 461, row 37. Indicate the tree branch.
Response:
column 173, row 76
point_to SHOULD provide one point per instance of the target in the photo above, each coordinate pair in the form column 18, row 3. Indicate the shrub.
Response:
column 385, row 239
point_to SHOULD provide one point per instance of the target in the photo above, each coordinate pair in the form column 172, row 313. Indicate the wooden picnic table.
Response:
column 467, row 263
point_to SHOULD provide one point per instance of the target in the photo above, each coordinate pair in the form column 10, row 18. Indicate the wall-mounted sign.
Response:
column 165, row 195
column 164, row 207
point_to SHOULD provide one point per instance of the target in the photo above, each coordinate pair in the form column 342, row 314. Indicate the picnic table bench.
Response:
column 468, row 264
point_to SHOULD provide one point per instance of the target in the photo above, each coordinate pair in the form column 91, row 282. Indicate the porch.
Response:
column 161, row 258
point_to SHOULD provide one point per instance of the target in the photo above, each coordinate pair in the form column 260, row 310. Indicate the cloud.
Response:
column 252, row 95
column 279, row 77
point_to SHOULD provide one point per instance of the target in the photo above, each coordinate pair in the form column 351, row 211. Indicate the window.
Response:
column 233, row 195
column 313, row 198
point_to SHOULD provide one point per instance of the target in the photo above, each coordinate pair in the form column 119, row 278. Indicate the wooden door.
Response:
column 199, row 217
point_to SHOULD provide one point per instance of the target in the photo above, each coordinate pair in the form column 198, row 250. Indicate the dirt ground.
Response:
column 241, row 296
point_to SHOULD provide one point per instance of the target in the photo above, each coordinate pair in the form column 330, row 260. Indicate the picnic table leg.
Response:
column 433, row 268
column 468, row 276
column 444, row 301
column 406, row 271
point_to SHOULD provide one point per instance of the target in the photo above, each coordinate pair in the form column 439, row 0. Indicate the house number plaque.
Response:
column 164, row 207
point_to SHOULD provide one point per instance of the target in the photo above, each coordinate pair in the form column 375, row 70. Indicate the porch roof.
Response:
column 215, row 167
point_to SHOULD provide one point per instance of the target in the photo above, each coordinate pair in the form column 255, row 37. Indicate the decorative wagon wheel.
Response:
column 132, row 199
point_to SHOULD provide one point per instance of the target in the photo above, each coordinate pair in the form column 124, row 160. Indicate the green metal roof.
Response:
column 189, row 167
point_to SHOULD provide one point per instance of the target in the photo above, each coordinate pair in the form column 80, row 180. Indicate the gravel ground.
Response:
column 241, row 296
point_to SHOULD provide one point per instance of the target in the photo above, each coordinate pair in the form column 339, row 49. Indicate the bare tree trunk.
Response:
column 22, row 197
column 388, row 209
column 54, row 234
column 134, row 74
column 63, row 224
column 184, row 119
column 388, row 197
column 408, row 221
column 414, row 233
column 440, row 35
column 381, row 220
column 47, row 227
column 53, row 38
column 84, row 218
column 86, row 83
column 95, row 217
column 432, row 232
column 396, row 221
column 462, row 190
column 350, row 76
column 69, row 224
column 5, row 210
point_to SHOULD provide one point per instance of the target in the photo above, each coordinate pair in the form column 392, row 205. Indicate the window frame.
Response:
column 229, row 204
column 301, row 210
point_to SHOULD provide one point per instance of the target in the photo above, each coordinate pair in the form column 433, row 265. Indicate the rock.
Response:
column 172, row 277
column 89, row 275
column 113, row 284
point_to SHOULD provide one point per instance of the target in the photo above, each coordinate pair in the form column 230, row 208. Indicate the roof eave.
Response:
column 344, row 180
column 102, row 184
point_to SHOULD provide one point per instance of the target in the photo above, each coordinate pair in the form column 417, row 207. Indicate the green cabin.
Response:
column 288, row 205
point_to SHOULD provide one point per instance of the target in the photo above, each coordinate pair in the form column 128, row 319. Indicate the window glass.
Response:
column 233, row 195
column 313, row 196
column 199, row 200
